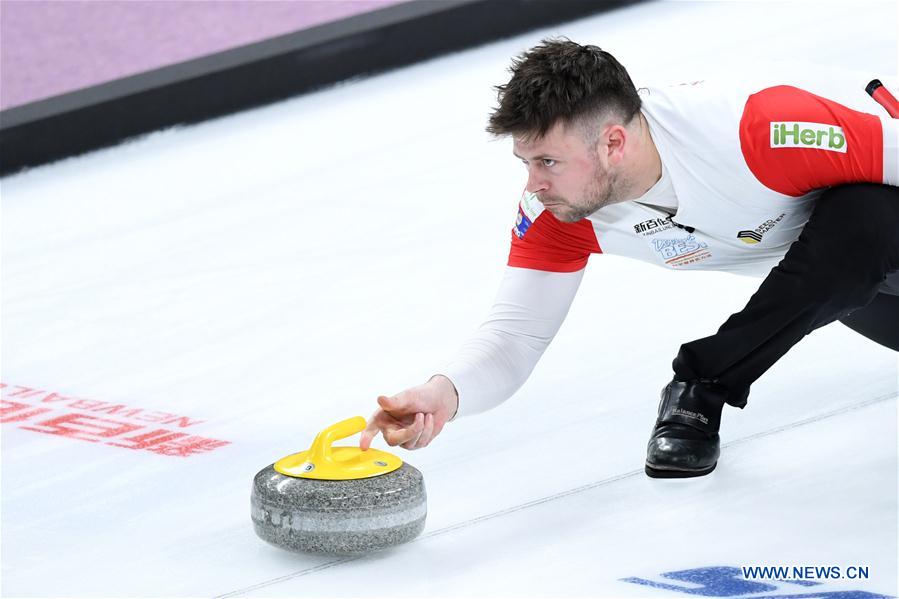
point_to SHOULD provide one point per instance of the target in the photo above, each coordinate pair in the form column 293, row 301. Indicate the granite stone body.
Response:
column 339, row 517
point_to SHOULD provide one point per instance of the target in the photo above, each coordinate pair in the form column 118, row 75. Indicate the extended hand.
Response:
column 412, row 418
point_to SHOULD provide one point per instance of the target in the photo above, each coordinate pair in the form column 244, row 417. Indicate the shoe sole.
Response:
column 675, row 473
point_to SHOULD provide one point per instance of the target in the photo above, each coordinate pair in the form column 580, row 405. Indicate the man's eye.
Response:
column 548, row 161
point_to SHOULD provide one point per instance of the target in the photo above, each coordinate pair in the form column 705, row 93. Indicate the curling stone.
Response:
column 338, row 500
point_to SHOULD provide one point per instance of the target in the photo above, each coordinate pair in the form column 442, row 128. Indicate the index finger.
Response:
column 371, row 431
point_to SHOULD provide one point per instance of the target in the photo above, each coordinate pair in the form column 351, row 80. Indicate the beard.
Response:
column 602, row 190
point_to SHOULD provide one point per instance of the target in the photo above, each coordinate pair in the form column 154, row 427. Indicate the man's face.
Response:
column 569, row 178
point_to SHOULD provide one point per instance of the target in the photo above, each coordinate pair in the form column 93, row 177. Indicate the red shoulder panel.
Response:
column 550, row 244
column 794, row 141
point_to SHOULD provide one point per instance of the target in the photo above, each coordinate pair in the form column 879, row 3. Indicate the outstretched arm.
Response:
column 527, row 313
column 494, row 363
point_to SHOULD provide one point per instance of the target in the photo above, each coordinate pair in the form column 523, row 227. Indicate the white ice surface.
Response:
column 272, row 272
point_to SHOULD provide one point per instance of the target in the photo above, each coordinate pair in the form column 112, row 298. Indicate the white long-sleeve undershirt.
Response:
column 496, row 361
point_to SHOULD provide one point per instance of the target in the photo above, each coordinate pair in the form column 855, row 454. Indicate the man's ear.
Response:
column 614, row 140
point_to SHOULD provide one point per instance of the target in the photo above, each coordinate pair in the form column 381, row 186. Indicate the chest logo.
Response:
column 681, row 251
column 653, row 226
column 795, row 134
column 755, row 236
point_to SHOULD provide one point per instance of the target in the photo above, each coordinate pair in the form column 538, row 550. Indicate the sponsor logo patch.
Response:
column 653, row 226
column 522, row 223
column 755, row 236
column 528, row 210
column 681, row 251
column 797, row 134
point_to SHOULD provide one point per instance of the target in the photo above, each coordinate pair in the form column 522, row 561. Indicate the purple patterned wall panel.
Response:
column 52, row 47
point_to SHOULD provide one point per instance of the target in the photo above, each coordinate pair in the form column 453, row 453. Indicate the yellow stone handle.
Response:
column 324, row 462
column 320, row 452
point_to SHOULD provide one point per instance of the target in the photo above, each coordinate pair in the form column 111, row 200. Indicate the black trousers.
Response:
column 836, row 270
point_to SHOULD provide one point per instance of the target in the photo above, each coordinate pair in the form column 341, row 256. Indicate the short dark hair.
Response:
column 560, row 80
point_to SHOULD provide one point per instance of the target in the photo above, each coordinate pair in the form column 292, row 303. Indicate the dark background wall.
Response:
column 128, row 68
column 54, row 47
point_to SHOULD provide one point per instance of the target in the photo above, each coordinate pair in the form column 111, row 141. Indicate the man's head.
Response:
column 574, row 116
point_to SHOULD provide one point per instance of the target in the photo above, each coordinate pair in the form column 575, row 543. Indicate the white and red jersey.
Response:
column 742, row 164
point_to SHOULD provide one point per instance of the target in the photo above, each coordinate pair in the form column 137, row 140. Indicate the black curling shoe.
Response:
column 685, row 441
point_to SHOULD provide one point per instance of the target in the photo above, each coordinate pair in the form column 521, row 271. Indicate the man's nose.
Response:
column 536, row 183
